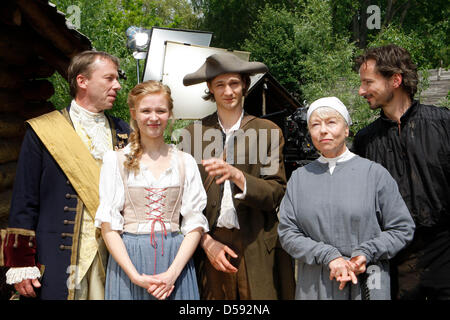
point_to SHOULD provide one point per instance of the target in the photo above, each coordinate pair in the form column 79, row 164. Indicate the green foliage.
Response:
column 61, row 98
column 428, row 20
column 307, row 44
column 231, row 20
column 303, row 53
column 310, row 51
column 273, row 41
column 415, row 44
column 411, row 42
column 170, row 134
column 445, row 102
column 105, row 24
column 327, row 64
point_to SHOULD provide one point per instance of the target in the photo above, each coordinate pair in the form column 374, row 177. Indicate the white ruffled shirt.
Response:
column 93, row 129
column 112, row 192
column 347, row 155
column 228, row 215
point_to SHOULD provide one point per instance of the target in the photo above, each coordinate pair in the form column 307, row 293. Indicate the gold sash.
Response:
column 72, row 156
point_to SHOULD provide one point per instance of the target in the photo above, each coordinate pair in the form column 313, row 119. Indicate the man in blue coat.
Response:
column 51, row 244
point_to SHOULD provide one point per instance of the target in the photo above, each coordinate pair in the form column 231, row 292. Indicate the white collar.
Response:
column 94, row 129
column 234, row 127
column 347, row 155
column 85, row 115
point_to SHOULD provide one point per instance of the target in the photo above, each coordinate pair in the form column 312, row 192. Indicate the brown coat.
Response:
column 269, row 268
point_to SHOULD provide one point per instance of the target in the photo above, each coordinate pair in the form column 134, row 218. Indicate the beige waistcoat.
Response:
column 137, row 200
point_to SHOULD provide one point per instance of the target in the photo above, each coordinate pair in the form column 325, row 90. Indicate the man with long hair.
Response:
column 412, row 141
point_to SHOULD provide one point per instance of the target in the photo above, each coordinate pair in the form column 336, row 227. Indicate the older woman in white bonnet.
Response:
column 342, row 217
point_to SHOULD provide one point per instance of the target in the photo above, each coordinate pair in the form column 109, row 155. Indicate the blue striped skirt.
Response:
column 142, row 254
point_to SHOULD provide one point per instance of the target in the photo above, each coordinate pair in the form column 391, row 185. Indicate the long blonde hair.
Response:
column 134, row 98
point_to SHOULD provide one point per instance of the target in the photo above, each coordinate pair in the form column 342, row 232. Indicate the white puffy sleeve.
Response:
column 112, row 195
column 194, row 198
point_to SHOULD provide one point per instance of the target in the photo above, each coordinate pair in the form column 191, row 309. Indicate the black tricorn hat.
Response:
column 221, row 63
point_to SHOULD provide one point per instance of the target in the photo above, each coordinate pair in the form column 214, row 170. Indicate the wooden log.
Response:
column 38, row 68
column 11, row 77
column 35, row 109
column 11, row 101
column 9, row 149
column 11, row 126
column 53, row 29
column 7, row 175
column 10, row 14
column 51, row 55
column 15, row 45
column 5, row 203
column 37, row 90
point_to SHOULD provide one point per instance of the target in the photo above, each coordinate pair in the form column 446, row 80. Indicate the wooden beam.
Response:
column 7, row 175
column 45, row 22
column 5, row 203
column 15, row 45
column 10, row 14
column 38, row 90
column 14, row 77
column 38, row 68
column 9, row 149
column 11, row 101
column 11, row 77
column 51, row 55
column 11, row 126
column 35, row 109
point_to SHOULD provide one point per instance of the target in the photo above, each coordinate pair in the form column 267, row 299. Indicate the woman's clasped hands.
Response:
column 160, row 285
column 162, row 289
column 346, row 270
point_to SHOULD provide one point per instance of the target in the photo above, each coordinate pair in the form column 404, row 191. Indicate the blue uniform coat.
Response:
column 43, row 200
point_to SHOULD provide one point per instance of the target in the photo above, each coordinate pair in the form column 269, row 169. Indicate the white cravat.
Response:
column 347, row 155
column 228, row 216
column 93, row 129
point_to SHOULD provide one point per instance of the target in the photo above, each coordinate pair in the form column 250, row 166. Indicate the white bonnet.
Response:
column 331, row 102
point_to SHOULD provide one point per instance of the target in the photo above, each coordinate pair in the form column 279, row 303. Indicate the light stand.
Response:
column 138, row 41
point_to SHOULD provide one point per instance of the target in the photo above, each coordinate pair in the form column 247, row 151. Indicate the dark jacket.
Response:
column 417, row 155
column 44, row 203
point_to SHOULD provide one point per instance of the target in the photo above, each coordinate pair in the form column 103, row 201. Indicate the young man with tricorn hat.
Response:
column 240, row 258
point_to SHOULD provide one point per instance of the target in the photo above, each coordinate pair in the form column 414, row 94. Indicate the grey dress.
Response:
column 357, row 210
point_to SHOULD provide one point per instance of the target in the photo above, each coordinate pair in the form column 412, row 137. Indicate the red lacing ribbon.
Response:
column 156, row 218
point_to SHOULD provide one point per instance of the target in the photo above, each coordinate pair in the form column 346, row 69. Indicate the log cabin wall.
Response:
column 35, row 42
column 439, row 87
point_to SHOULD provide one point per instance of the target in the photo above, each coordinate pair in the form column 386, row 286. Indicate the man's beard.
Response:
column 385, row 100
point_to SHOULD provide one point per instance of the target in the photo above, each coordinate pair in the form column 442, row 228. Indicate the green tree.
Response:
column 105, row 24
column 231, row 20
column 426, row 20
column 272, row 39
column 303, row 53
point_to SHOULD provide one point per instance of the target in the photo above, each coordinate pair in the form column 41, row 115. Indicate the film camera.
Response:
column 298, row 149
